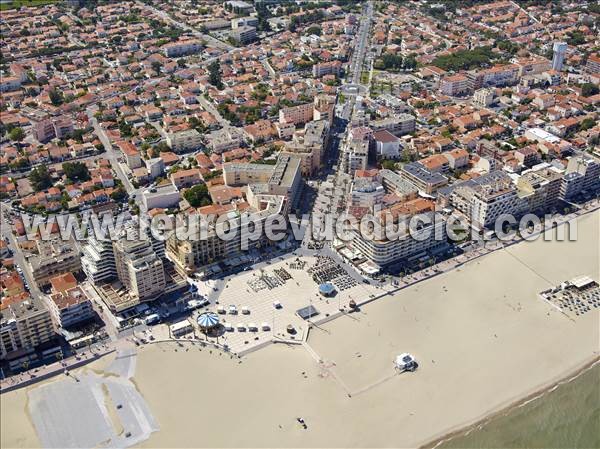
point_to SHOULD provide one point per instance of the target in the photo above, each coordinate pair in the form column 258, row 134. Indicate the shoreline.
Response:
column 502, row 410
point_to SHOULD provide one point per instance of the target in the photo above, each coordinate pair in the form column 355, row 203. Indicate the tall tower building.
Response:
column 560, row 49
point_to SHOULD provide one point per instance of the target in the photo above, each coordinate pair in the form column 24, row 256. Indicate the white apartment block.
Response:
column 454, row 85
column 366, row 193
column 182, row 48
column 356, row 156
column 296, row 115
column 98, row 261
column 244, row 34
column 239, row 22
column 71, row 307
column 398, row 125
column 483, row 97
column 486, row 198
column 25, row 325
column 182, row 141
column 384, row 252
column 139, row 269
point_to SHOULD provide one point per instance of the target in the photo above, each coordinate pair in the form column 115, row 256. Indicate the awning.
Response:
column 208, row 320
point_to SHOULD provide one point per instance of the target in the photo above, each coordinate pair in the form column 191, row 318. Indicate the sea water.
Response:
column 566, row 417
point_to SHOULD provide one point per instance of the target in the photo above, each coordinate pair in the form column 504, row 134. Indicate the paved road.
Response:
column 111, row 154
column 360, row 49
column 210, row 108
column 19, row 259
column 209, row 39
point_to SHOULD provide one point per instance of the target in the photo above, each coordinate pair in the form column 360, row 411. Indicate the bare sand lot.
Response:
column 16, row 425
column 481, row 334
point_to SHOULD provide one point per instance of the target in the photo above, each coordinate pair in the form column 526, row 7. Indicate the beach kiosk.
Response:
column 405, row 362
column 327, row 289
column 180, row 328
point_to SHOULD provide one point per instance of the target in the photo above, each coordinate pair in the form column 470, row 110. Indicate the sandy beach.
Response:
column 481, row 334
column 482, row 337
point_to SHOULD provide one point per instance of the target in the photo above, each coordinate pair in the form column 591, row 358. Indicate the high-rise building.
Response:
column 560, row 50
column 139, row 269
column 408, row 244
column 24, row 325
column 98, row 261
column 482, row 200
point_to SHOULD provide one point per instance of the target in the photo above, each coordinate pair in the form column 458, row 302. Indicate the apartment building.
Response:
column 50, row 128
column 131, row 153
column 541, row 189
column 71, row 307
column 571, row 186
column 398, row 125
column 309, row 145
column 185, row 140
column 51, row 258
column 224, row 139
column 356, row 156
column 296, row 115
column 324, row 108
column 182, row 48
column 593, row 64
column 63, row 127
column 559, row 51
column 454, row 85
column 186, row 178
column 98, row 261
column 248, row 21
column 497, row 76
column 240, row 174
column 366, row 193
column 583, row 172
column 9, row 83
column 139, row 269
column 24, row 325
column 531, row 66
column 244, row 34
column 405, row 246
column 398, row 185
column 457, row 158
column 425, row 179
column 327, row 68
column 483, row 97
column 484, row 199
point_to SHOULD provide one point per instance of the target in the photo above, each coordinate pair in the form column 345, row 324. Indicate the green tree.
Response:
column 56, row 96
column 214, row 74
column 16, row 134
column 575, row 38
column 119, row 194
column 76, row 171
column 388, row 164
column 589, row 89
column 586, row 124
column 198, row 196
column 40, row 178
column 315, row 29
